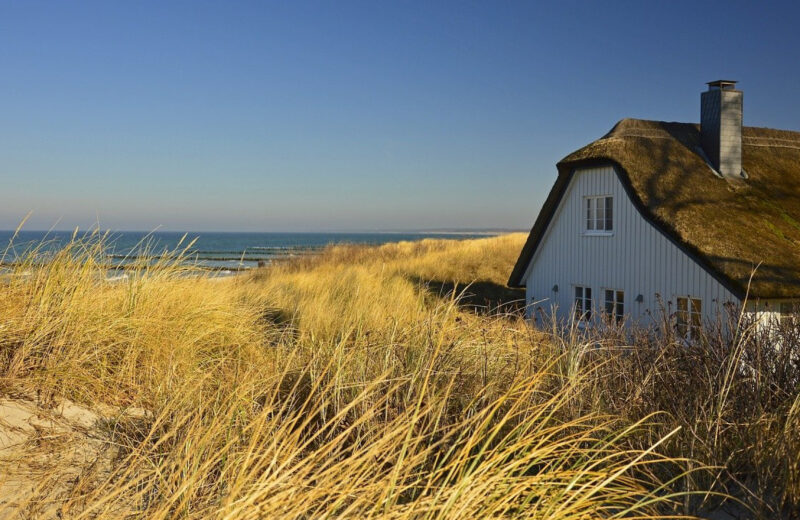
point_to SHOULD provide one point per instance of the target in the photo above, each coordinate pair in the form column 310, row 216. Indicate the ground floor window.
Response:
column 583, row 303
column 789, row 312
column 614, row 304
column 690, row 317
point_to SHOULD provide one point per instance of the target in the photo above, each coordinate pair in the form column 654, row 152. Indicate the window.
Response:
column 599, row 214
column 614, row 304
column 789, row 312
column 583, row 303
column 690, row 317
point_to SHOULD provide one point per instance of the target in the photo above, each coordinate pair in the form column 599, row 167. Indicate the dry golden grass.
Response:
column 338, row 388
column 344, row 385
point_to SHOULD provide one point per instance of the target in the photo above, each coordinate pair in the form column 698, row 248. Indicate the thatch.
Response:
column 728, row 226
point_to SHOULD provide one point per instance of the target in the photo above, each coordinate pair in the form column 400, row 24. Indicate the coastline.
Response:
column 210, row 252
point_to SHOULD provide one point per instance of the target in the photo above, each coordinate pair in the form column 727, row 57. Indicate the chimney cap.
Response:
column 722, row 84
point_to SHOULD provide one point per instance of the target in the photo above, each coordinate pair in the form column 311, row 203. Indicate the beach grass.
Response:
column 397, row 381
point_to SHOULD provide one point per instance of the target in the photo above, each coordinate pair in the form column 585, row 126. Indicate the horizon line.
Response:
column 346, row 231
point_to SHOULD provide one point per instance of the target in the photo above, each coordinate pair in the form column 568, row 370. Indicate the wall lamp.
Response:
column 555, row 288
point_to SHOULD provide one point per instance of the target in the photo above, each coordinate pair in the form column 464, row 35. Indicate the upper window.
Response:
column 614, row 304
column 599, row 214
column 690, row 317
column 583, row 303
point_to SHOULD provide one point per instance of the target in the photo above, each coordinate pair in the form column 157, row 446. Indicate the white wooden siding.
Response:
column 636, row 258
column 767, row 312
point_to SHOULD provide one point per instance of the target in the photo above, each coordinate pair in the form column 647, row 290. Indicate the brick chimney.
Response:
column 721, row 127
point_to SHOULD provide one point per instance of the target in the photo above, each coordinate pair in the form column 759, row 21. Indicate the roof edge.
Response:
column 566, row 170
column 540, row 226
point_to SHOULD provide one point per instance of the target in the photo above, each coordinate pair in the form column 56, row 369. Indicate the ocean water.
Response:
column 218, row 251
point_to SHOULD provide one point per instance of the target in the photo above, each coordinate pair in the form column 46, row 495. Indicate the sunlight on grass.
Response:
column 339, row 385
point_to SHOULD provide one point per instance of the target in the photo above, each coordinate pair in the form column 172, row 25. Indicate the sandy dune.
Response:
column 47, row 453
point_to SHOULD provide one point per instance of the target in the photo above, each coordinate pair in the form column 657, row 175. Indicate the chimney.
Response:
column 721, row 127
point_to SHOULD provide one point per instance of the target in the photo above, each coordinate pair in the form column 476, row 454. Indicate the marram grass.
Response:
column 339, row 386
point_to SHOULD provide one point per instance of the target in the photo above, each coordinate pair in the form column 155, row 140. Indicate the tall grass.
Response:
column 353, row 384
column 735, row 396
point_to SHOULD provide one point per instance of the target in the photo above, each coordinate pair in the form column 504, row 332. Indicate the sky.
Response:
column 350, row 116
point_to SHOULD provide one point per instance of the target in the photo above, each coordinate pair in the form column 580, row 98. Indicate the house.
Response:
column 699, row 219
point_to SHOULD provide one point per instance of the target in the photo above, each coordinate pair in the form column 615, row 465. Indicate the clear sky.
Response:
column 307, row 116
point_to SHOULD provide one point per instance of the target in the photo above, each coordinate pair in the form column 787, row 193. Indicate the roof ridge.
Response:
column 697, row 124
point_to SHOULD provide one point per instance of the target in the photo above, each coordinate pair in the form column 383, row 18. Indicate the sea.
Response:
column 224, row 253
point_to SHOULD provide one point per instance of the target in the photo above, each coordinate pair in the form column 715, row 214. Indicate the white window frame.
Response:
column 617, row 302
column 582, row 314
column 789, row 312
column 689, row 322
column 591, row 223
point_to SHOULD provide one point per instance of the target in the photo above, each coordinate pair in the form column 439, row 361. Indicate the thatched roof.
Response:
column 728, row 226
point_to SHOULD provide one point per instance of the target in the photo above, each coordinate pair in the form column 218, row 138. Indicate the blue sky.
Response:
column 321, row 116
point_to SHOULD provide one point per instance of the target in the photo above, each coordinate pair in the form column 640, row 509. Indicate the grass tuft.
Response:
column 397, row 381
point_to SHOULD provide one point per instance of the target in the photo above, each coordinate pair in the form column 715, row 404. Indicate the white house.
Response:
column 695, row 218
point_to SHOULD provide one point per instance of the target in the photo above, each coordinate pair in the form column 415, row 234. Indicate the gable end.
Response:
column 566, row 173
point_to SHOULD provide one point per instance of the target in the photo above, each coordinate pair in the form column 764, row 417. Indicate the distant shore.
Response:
column 212, row 252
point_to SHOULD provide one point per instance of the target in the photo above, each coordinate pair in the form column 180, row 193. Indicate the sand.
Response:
column 48, row 454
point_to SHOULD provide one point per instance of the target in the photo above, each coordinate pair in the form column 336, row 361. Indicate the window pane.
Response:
column 620, row 297
column 583, row 303
column 681, row 326
column 620, row 310
column 608, row 301
column 696, row 319
column 601, row 214
column 589, row 215
column 609, row 214
column 788, row 312
column 682, row 316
